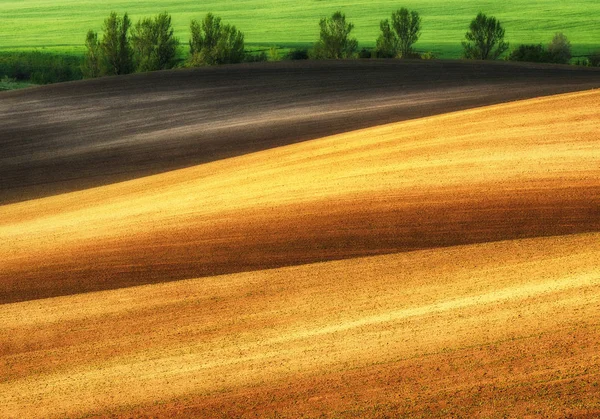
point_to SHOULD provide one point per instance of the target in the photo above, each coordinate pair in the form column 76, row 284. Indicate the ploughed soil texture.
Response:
column 77, row 135
column 335, row 265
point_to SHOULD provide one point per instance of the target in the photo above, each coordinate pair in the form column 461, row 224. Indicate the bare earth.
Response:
column 433, row 182
column 471, row 331
column 77, row 135
column 447, row 266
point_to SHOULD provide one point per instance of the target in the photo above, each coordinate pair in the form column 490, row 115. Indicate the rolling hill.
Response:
column 488, row 330
column 334, row 239
column 73, row 136
column 496, row 173
column 61, row 25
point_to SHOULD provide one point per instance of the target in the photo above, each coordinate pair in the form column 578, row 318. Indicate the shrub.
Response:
column 531, row 53
column 214, row 43
column 397, row 38
column 297, row 54
column 8, row 83
column 559, row 49
column 428, row 56
column 364, row 53
column 154, row 45
column 594, row 59
column 259, row 57
column 40, row 67
column 274, row 54
column 334, row 38
column 485, row 39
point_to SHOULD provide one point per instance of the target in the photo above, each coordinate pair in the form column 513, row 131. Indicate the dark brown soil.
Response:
column 77, row 135
column 253, row 240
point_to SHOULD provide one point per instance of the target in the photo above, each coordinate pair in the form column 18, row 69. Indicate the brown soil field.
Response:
column 509, row 171
column 494, row 330
column 73, row 136
column 285, row 240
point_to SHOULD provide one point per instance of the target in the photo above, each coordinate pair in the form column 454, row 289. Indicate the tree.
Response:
column 559, row 49
column 485, row 39
column 154, row 45
column 387, row 45
column 214, row 43
column 92, row 60
column 334, row 41
column 398, row 38
column 115, row 46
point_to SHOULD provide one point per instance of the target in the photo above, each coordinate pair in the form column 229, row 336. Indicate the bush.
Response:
column 428, row 56
column 530, row 53
column 40, row 67
column 397, row 38
column 485, row 39
column 8, row 83
column 297, row 54
column 154, row 45
column 259, row 57
column 274, row 54
column 594, row 59
column 365, row 53
column 559, row 49
column 213, row 43
column 334, row 38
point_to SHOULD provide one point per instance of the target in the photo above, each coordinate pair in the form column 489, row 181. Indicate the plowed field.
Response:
column 312, row 265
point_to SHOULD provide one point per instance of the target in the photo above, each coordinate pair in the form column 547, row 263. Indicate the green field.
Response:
column 61, row 25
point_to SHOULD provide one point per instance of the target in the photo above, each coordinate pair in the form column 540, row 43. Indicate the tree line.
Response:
column 150, row 44
column 483, row 41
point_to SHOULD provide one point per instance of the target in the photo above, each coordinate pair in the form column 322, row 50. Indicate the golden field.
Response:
column 442, row 267
column 496, row 173
column 479, row 330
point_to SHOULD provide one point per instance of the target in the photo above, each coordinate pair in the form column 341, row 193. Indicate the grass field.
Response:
column 61, row 25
